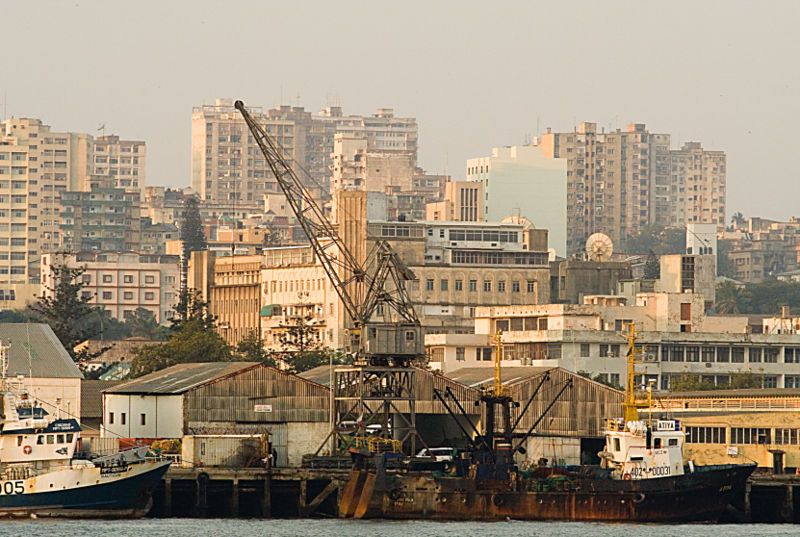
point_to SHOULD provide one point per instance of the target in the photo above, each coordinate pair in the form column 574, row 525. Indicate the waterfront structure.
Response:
column 525, row 181
column 43, row 367
column 230, row 398
column 619, row 182
column 679, row 341
column 121, row 282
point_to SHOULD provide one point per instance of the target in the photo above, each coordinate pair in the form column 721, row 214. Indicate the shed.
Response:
column 222, row 398
column 47, row 370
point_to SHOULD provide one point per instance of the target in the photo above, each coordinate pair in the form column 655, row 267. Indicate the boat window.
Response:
column 50, row 439
column 40, row 440
column 19, row 441
column 60, row 438
column 657, row 443
column 673, row 441
column 70, row 436
column 616, row 444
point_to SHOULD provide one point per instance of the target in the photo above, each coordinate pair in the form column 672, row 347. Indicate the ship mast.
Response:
column 630, row 406
column 498, row 380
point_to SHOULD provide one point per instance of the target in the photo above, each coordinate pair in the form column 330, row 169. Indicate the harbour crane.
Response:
column 385, row 338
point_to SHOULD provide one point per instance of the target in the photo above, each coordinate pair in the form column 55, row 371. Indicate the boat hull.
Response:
column 700, row 496
column 89, row 492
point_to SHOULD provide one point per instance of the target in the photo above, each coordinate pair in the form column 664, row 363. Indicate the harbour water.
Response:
column 337, row 528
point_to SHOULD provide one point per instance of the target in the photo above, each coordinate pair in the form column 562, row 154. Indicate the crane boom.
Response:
column 380, row 279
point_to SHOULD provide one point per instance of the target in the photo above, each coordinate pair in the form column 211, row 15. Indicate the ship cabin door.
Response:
column 777, row 460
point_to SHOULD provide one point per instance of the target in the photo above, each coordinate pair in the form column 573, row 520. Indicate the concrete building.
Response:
column 573, row 279
column 621, row 181
column 689, row 274
column 678, row 340
column 697, row 185
column 354, row 167
column 102, row 218
column 761, row 248
column 38, row 360
column 123, row 162
column 526, row 181
column 463, row 202
column 230, row 398
column 236, row 296
column 163, row 205
column 121, row 282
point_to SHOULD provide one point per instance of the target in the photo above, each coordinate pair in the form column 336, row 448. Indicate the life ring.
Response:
column 639, row 498
column 27, row 450
column 626, row 477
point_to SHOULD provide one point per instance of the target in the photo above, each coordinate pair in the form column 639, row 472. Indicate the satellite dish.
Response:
column 599, row 247
column 551, row 254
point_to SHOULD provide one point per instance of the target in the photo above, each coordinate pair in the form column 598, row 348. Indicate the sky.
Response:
column 474, row 74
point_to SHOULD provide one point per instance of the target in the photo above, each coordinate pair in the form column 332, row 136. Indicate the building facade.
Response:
column 121, row 282
column 525, row 181
column 123, row 162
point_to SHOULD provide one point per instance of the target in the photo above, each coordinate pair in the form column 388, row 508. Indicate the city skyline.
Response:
column 707, row 78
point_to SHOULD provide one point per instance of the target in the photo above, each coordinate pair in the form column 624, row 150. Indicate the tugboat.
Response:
column 642, row 476
column 43, row 473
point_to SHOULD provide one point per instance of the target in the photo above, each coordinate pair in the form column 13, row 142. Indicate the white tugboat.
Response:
column 42, row 472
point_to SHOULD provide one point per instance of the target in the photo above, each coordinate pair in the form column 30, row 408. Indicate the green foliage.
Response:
column 724, row 265
column 191, row 228
column 142, row 323
column 656, row 239
column 14, row 316
column 301, row 348
column 64, row 308
column 251, row 349
column 732, row 298
column 191, row 307
column 652, row 267
column 693, row 383
column 192, row 341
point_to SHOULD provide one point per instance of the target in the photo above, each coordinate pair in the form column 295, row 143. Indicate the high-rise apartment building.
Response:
column 622, row 181
column 697, row 185
column 227, row 164
column 524, row 181
column 122, row 161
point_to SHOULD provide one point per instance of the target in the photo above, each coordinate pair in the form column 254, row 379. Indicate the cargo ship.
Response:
column 43, row 471
column 642, row 476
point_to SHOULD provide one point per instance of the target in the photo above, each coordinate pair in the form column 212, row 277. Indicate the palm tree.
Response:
column 732, row 298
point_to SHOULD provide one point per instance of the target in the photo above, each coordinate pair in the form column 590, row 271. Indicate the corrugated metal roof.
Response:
column 476, row 377
column 733, row 393
column 35, row 351
column 320, row 375
column 180, row 378
column 92, row 398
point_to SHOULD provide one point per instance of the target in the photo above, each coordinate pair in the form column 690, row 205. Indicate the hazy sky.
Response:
column 474, row 74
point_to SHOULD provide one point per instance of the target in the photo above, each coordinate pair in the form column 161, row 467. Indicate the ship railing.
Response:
column 376, row 444
column 174, row 458
column 17, row 473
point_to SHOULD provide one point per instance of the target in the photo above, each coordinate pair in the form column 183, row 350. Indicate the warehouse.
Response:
column 221, row 398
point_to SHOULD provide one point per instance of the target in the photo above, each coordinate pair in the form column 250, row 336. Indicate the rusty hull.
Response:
column 694, row 497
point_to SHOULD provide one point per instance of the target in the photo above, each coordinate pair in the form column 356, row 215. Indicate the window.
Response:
column 122, row 417
column 40, row 440
column 142, row 419
column 723, row 354
column 771, row 355
column 616, row 444
column 706, row 435
column 487, row 286
column 614, row 379
column 149, row 279
column 59, row 439
column 106, row 295
column 429, row 284
column 786, row 436
column 444, row 285
column 791, row 355
column 770, row 381
column 737, row 355
column 750, row 435
column 501, row 286
column 708, row 354
column 693, row 353
column 459, row 284
column 584, row 350
column 127, row 278
column 110, row 419
column 515, row 287
column 754, row 354
column 107, row 278
column 791, row 381
column 531, row 286
column 127, row 295
column 149, row 296
column 460, row 354
column 473, row 286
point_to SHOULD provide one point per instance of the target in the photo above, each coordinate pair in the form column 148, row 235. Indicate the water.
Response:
column 340, row 528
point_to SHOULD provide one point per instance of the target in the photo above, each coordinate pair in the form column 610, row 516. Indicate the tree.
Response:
column 724, row 265
column 302, row 349
column 732, row 298
column 693, row 383
column 656, row 239
column 251, row 349
column 191, row 342
column 737, row 221
column 66, row 309
column 192, row 235
column 652, row 267
column 142, row 323
column 14, row 316
column 191, row 307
